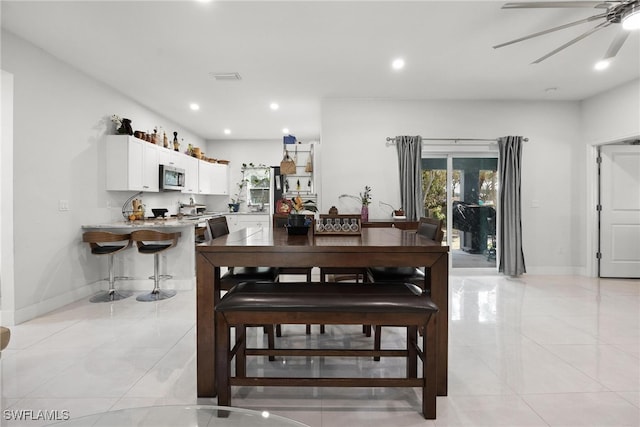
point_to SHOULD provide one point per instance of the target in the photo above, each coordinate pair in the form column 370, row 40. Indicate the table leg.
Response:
column 206, row 290
column 439, row 287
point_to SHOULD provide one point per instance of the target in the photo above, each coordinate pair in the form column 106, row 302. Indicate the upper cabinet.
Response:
column 191, row 179
column 133, row 165
column 219, row 176
column 213, row 178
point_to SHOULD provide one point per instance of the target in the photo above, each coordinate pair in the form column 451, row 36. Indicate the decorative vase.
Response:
column 176, row 144
column 364, row 213
column 234, row 207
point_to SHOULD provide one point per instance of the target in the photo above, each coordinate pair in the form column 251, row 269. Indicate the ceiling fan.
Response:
column 624, row 12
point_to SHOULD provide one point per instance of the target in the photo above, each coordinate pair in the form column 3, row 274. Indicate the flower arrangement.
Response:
column 117, row 120
column 364, row 198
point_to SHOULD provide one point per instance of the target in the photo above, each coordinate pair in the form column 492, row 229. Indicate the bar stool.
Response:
column 154, row 242
column 106, row 243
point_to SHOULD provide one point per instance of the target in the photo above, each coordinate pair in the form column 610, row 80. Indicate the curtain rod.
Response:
column 392, row 140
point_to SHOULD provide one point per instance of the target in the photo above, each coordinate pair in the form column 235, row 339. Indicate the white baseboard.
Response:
column 10, row 318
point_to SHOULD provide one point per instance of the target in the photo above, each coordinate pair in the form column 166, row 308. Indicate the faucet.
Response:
column 191, row 201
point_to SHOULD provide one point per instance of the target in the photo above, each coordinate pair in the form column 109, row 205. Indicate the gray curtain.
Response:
column 410, row 166
column 510, row 236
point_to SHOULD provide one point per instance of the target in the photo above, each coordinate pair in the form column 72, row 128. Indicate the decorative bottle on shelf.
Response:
column 176, row 144
column 165, row 140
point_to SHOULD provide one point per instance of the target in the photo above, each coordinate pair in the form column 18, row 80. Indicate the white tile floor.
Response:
column 534, row 351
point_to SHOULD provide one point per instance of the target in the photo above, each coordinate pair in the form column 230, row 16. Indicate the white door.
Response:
column 620, row 215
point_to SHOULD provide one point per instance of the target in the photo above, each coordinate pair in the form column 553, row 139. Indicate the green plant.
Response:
column 364, row 198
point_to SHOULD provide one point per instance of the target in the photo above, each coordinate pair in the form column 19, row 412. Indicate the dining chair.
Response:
column 430, row 228
column 218, row 227
column 281, row 220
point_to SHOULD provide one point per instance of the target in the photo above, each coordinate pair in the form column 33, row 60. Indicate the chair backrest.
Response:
column 280, row 220
column 218, row 226
column 431, row 228
column 94, row 238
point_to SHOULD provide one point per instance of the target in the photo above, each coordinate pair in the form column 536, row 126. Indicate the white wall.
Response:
column 613, row 115
column 6, row 201
column 607, row 117
column 355, row 154
column 60, row 115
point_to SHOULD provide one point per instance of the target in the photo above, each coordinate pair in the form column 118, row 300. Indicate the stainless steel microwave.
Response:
column 171, row 178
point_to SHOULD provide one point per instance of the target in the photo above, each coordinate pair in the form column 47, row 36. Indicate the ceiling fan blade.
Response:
column 616, row 44
column 577, row 39
column 560, row 4
column 550, row 30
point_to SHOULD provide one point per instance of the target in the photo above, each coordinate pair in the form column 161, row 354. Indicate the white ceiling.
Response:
column 297, row 53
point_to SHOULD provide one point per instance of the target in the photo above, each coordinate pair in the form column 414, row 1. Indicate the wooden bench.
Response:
column 403, row 305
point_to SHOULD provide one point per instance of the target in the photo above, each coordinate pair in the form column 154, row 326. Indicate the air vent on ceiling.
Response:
column 225, row 76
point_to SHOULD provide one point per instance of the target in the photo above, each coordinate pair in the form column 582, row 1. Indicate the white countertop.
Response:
column 247, row 213
column 171, row 222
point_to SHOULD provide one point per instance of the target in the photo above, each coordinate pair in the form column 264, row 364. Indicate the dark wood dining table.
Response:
column 257, row 246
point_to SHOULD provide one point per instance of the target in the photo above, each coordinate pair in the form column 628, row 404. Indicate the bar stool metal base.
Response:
column 156, row 295
column 110, row 296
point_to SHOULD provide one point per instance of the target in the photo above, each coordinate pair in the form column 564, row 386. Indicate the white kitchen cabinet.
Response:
column 150, row 168
column 212, row 178
column 219, row 179
column 171, row 157
column 205, row 170
column 190, row 166
column 239, row 221
column 131, row 164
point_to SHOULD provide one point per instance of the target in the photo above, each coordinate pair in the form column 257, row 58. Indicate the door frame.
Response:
column 593, row 195
column 464, row 150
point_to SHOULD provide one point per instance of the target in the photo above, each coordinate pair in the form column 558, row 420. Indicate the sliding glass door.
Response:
column 461, row 189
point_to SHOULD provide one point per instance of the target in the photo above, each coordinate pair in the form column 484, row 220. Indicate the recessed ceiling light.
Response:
column 194, row 106
column 285, row 130
column 398, row 64
column 274, row 106
column 227, row 131
column 602, row 65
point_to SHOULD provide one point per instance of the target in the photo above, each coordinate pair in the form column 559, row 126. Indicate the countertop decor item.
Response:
column 159, row 212
column 343, row 225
